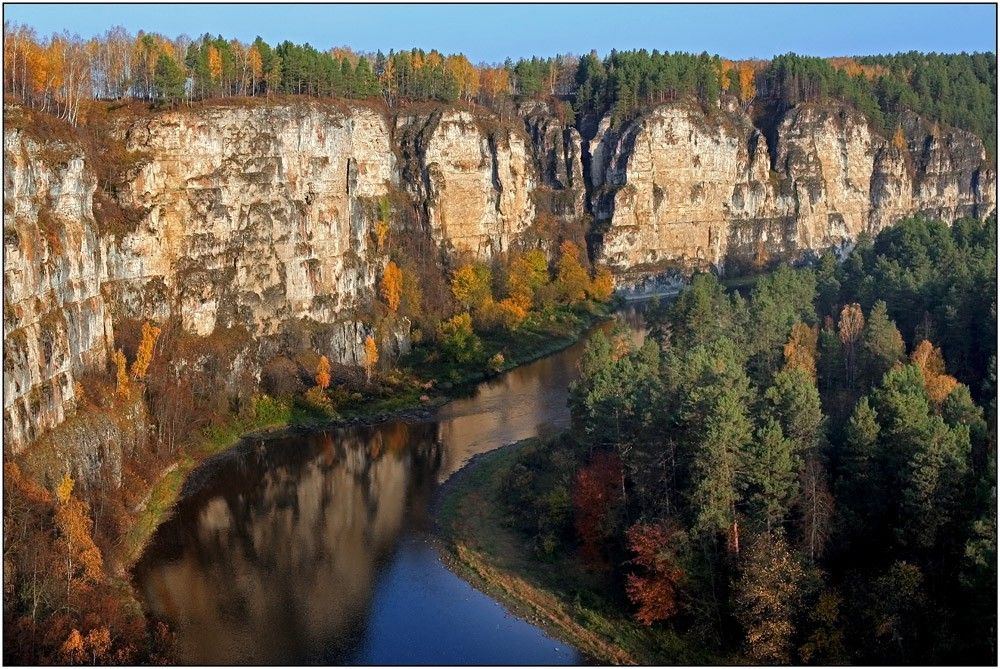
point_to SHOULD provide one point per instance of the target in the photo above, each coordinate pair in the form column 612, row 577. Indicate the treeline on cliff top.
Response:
column 64, row 72
column 804, row 476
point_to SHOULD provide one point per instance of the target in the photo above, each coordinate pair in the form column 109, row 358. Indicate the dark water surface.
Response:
column 319, row 549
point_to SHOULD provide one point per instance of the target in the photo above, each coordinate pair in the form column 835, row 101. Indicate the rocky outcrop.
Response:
column 471, row 176
column 682, row 189
column 56, row 324
column 266, row 219
column 259, row 217
column 256, row 216
column 558, row 156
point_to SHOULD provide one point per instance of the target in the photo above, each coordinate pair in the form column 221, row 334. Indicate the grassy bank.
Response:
column 557, row 594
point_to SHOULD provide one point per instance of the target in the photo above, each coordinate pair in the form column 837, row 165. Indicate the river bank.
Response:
column 221, row 442
column 558, row 594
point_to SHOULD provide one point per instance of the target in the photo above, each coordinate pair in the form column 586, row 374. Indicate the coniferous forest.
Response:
column 803, row 474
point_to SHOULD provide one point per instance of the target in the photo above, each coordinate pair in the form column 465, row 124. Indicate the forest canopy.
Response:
column 63, row 73
column 804, row 474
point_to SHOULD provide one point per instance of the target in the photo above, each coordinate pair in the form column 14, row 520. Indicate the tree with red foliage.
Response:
column 654, row 590
column 597, row 501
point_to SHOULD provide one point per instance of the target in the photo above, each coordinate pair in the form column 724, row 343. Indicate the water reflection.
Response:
column 317, row 549
column 275, row 561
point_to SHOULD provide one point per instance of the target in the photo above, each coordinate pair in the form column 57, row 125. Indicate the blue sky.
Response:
column 491, row 33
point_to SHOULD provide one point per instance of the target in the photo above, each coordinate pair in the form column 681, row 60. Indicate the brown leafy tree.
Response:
column 655, row 589
column 766, row 598
column 597, row 499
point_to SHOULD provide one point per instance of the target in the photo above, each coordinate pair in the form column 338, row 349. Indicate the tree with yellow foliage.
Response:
column 123, row 387
column 256, row 66
column 602, row 287
column 73, row 522
column 899, row 139
column 144, row 354
column 371, row 357
column 800, row 351
column 323, row 373
column 529, row 271
column 471, row 285
column 571, row 277
column 392, row 286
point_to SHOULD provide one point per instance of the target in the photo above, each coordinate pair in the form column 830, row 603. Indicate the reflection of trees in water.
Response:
column 274, row 560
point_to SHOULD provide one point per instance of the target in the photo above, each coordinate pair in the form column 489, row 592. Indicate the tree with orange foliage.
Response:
column 75, row 527
column 937, row 382
column 121, row 371
column 597, row 502
column 144, row 354
column 494, row 82
column 392, row 286
column 850, row 327
column 214, row 63
column 371, row 357
column 725, row 67
column 602, row 287
column 571, row 278
column 654, row 591
column 72, row 650
column 323, row 373
column 899, row 139
column 800, row 351
column 98, row 643
column 747, row 87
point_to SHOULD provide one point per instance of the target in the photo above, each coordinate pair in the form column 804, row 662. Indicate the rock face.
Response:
column 679, row 189
column 472, row 177
column 256, row 216
column 55, row 321
column 267, row 218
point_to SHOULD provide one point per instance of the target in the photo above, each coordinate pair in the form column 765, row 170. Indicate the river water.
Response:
column 320, row 549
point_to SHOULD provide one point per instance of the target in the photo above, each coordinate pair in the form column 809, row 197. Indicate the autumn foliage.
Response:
column 392, row 286
column 371, row 357
column 323, row 373
column 123, row 386
column 597, row 498
column 800, row 351
column 654, row 589
column 144, row 355
column 937, row 382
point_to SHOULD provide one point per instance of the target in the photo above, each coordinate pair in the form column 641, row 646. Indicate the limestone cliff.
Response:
column 264, row 218
column 679, row 188
column 471, row 176
column 55, row 320
column 254, row 217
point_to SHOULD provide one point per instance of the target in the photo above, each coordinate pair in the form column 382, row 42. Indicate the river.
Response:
column 320, row 549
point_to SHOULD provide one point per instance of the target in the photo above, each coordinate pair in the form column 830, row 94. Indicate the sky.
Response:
column 491, row 33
